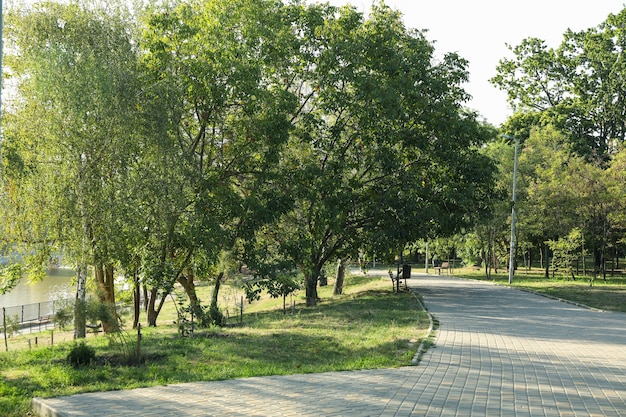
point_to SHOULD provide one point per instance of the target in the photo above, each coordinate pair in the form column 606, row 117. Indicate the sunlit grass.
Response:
column 367, row 327
column 609, row 294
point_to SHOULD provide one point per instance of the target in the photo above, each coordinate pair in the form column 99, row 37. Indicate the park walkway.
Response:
column 499, row 352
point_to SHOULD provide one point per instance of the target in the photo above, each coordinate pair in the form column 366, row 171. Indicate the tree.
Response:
column 381, row 152
column 10, row 276
column 565, row 192
column 578, row 87
column 543, row 162
column 616, row 174
column 566, row 251
column 69, row 145
column 489, row 239
column 218, row 81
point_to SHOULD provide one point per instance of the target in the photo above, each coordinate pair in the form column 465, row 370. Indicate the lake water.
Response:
column 58, row 284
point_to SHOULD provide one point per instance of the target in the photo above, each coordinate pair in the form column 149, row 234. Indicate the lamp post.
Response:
column 512, row 246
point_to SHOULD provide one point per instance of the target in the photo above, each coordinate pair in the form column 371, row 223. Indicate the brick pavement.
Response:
column 499, row 352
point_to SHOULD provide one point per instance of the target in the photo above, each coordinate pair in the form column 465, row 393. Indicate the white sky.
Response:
column 479, row 29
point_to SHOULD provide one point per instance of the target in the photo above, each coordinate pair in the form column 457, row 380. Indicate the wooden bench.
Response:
column 394, row 279
column 445, row 265
column 94, row 328
column 402, row 274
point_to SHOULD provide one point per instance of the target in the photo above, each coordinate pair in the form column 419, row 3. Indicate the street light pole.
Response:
column 512, row 246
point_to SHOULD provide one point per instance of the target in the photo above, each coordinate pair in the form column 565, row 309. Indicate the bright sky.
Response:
column 479, row 29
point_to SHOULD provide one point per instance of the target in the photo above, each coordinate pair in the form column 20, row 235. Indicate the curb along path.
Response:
column 498, row 351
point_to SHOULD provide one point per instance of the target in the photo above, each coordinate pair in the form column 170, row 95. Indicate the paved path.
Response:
column 499, row 352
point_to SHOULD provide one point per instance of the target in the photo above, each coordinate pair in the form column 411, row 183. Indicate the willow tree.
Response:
column 68, row 140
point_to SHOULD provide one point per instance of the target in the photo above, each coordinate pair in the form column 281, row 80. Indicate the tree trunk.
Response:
column 485, row 258
column 215, row 315
column 136, row 298
column 80, row 321
column 341, row 274
column 146, row 298
column 151, row 311
column 189, row 286
column 323, row 279
column 106, row 285
column 216, row 290
column 547, row 261
column 311, row 288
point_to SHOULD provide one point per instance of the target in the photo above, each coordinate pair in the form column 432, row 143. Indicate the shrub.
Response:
column 64, row 314
column 81, row 354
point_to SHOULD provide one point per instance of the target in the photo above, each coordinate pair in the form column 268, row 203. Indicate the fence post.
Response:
column 4, row 324
column 241, row 311
column 138, row 353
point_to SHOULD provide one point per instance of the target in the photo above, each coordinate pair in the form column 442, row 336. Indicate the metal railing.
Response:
column 29, row 317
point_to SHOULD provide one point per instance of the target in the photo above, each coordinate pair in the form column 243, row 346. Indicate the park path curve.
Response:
column 499, row 352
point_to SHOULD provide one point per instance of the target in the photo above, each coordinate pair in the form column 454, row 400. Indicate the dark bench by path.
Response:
column 403, row 273
column 445, row 265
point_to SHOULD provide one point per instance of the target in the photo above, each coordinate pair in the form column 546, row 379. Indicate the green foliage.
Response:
column 127, row 346
column 12, row 324
column 10, row 276
column 81, row 354
column 554, row 176
column 566, row 251
column 576, row 86
column 381, row 152
column 279, row 285
column 157, row 140
column 192, row 317
column 216, row 317
column 617, row 177
column 97, row 311
column 64, row 313
column 557, row 191
column 221, row 132
column 186, row 320
column 471, row 250
column 72, row 134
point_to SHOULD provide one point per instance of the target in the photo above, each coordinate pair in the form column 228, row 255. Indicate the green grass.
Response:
column 367, row 327
column 607, row 295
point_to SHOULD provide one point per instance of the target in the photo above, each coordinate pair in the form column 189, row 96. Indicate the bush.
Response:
column 12, row 325
column 81, row 354
column 64, row 314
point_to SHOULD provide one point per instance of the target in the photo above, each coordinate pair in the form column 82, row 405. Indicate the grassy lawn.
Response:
column 367, row 327
column 607, row 295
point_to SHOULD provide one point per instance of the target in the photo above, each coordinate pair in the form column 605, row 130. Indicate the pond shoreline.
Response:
column 57, row 285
